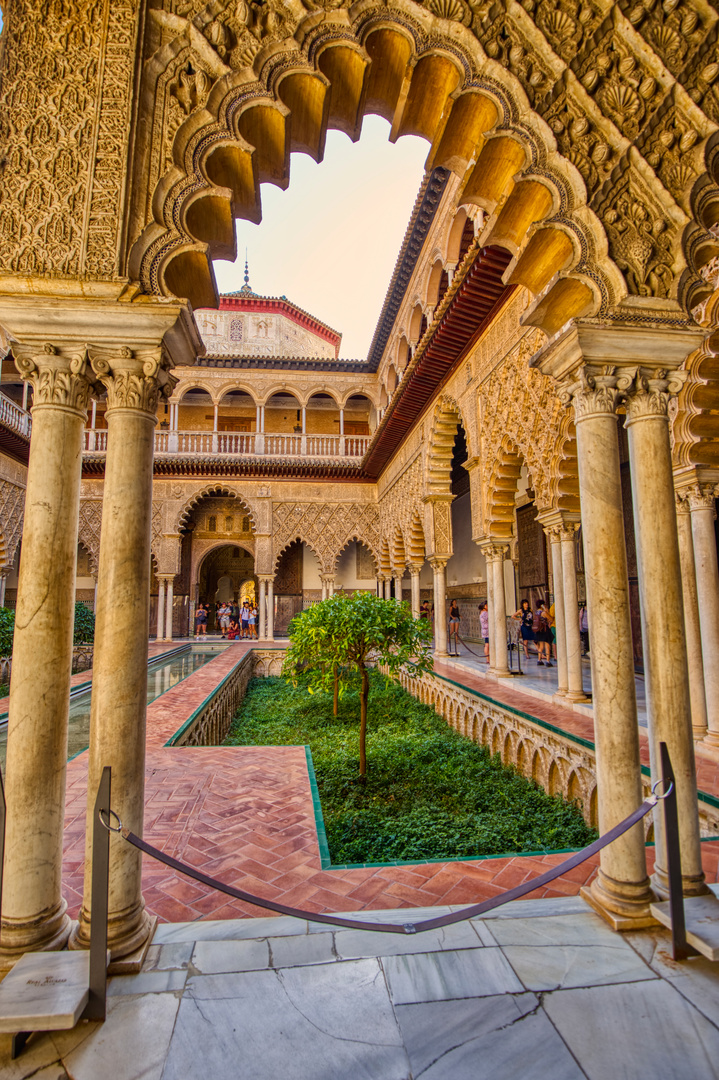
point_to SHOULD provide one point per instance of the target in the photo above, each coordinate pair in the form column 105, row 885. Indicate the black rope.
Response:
column 394, row 928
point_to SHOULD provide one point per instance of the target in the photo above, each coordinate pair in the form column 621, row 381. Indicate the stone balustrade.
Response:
column 251, row 444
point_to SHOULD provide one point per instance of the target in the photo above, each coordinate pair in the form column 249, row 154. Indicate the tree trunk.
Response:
column 336, row 700
column 364, row 695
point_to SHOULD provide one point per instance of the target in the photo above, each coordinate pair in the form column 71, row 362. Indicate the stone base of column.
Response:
column 623, row 906
column 694, row 885
column 573, row 696
column 441, row 655
column 711, row 742
column 21, row 937
column 128, row 945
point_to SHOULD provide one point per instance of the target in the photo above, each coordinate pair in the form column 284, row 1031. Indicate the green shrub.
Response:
column 84, row 625
column 430, row 792
column 7, row 630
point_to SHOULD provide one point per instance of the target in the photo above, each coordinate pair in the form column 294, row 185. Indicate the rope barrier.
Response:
column 392, row 928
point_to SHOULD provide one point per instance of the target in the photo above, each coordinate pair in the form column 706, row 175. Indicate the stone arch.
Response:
column 507, row 755
column 432, row 290
column 537, row 767
column 415, row 542
column 213, row 491
column 499, row 517
column 365, row 543
column 522, row 758
column 456, row 233
column 554, row 779
column 288, row 542
column 186, row 388
column 497, row 741
column 401, row 64
column 403, row 353
column 399, row 555
column 574, row 789
column 92, row 555
column 385, row 558
column 445, row 422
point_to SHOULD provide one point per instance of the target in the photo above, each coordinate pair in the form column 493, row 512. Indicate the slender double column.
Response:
column 660, row 589
column 134, row 384
column 554, row 534
column 573, row 640
column 388, row 588
column 440, row 605
column 494, row 552
column 33, row 909
column 398, row 587
column 692, row 626
column 170, row 609
column 621, row 891
column 414, row 572
column 270, row 609
column 262, row 606
column 702, row 506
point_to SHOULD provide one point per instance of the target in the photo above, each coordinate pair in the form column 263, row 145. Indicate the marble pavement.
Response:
column 541, row 989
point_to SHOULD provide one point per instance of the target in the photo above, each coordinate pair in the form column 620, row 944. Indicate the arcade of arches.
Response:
column 539, row 410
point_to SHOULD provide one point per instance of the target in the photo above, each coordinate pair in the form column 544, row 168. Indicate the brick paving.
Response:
column 244, row 815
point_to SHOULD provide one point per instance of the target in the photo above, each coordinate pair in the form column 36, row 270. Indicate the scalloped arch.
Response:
column 213, row 491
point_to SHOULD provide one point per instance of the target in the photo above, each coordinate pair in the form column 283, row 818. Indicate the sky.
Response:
column 329, row 243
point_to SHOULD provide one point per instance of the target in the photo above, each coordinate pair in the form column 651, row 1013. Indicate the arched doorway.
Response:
column 226, row 574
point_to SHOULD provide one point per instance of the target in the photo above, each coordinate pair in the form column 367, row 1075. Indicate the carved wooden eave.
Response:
column 471, row 303
column 176, row 465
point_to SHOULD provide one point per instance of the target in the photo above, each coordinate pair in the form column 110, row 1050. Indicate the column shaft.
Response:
column 665, row 655
column 170, row 609
column 33, row 911
column 621, row 891
column 440, row 606
column 270, row 610
column 398, row 587
column 414, row 579
column 490, row 613
column 701, row 502
column 501, row 664
column 692, row 628
column 263, row 609
column 388, row 588
column 560, row 626
column 575, row 685
column 160, row 609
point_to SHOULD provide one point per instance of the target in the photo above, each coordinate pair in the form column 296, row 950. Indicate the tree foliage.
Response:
column 333, row 643
column 83, row 631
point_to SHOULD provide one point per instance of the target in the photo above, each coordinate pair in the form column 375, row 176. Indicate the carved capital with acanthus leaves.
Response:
column 493, row 551
column 134, row 379
column 702, row 497
column 650, row 393
column 60, row 377
column 596, row 390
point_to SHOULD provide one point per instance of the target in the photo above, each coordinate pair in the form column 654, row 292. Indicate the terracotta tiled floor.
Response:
column 244, row 814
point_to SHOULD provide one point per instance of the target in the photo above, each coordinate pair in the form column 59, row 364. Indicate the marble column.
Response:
column 621, row 892
column 270, row 609
column 702, row 506
column 160, row 609
column 575, row 685
column 398, row 587
column 414, row 572
column 330, row 579
column 33, row 909
column 134, row 384
column 490, row 614
column 262, row 605
column 440, row 606
column 3, row 582
column 169, row 593
column 388, row 588
column 692, row 628
column 560, row 626
column 499, row 612
column 666, row 672
column 323, row 582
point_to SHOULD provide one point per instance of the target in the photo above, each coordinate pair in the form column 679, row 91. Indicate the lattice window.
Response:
column 237, row 329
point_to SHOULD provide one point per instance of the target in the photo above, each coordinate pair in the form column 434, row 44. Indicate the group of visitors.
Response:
column 232, row 620
column 536, row 626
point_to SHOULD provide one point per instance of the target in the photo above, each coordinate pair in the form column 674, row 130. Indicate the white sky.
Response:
column 330, row 241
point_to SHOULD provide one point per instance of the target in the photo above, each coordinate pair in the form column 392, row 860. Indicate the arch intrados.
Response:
column 332, row 395
column 216, row 546
column 224, row 392
column 284, row 391
column 433, row 281
column 214, row 491
column 185, row 390
column 357, row 398
column 297, row 540
column 151, row 261
column 358, row 540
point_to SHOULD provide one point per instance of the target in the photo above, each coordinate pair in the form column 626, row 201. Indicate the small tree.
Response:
column 84, row 629
column 335, row 641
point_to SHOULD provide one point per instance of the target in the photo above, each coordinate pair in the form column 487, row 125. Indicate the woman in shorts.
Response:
column 200, row 620
column 253, row 622
column 526, row 619
column 454, row 617
column 484, row 628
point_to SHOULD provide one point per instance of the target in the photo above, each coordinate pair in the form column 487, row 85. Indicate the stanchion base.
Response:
column 701, row 914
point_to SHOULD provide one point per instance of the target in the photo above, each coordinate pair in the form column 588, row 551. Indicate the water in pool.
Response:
column 162, row 675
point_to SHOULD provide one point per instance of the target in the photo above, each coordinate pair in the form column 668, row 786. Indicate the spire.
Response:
column 247, row 288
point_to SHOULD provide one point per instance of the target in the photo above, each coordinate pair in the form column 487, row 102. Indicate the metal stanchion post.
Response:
column 95, row 1008
column 681, row 950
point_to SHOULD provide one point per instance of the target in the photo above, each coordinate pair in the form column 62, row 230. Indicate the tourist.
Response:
column 526, row 619
column 484, row 628
column 201, row 620
column 454, row 618
column 253, row 621
column 233, row 630
column 542, row 634
column 245, row 619
column 424, row 610
column 224, row 614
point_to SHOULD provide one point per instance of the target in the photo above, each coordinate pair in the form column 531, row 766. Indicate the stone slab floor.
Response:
column 542, row 990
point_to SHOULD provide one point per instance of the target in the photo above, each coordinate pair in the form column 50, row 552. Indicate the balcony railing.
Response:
column 252, row 444
column 13, row 417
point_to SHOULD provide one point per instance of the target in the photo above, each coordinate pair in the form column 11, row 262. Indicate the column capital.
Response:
column 166, row 578
column 134, row 379
column 415, row 569
column 650, row 393
column 266, row 579
column 493, row 549
column 595, row 390
column 60, row 376
column 702, row 497
column 437, row 563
